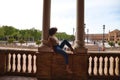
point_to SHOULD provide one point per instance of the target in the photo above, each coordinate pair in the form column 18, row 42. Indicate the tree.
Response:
column 38, row 42
column 9, row 31
column 21, row 41
column 10, row 40
column 119, row 43
column 1, row 33
column 111, row 43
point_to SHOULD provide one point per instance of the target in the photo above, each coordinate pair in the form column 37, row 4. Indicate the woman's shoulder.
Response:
column 52, row 37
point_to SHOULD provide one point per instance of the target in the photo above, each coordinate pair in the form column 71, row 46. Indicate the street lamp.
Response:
column 73, row 35
column 103, row 40
column 87, row 34
column 73, row 31
column 84, row 31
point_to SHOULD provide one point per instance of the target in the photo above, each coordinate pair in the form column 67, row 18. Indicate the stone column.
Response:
column 79, row 41
column 46, row 25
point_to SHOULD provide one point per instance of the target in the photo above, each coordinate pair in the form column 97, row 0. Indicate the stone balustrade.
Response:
column 49, row 65
column 105, row 66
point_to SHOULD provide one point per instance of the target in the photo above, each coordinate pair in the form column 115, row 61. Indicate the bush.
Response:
column 21, row 41
column 119, row 43
column 38, row 42
column 11, row 40
column 111, row 43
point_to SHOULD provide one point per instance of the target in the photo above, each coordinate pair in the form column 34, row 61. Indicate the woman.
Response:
column 58, row 48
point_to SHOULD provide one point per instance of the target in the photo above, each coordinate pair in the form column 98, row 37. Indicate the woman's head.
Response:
column 52, row 31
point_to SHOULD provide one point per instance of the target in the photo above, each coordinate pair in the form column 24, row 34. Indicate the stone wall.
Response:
column 52, row 66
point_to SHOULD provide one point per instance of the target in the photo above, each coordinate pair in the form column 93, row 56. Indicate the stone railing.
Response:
column 43, row 65
column 18, row 62
column 49, row 65
column 104, row 66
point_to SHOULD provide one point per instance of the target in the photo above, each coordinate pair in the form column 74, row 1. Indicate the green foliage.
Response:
column 119, row 43
column 11, row 40
column 9, row 30
column 111, row 43
column 21, row 41
column 38, row 42
column 6, row 32
column 1, row 32
column 63, row 35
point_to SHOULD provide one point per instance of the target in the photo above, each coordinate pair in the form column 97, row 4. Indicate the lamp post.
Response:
column 87, row 34
column 73, row 35
column 103, row 40
column 84, row 31
column 73, row 31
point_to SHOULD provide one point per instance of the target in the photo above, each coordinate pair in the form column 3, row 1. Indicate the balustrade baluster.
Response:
column 19, row 61
column 32, row 60
column 9, row 62
column 34, row 64
column 117, row 66
column 111, row 69
column 95, row 70
column 24, row 63
column 13, row 64
column 106, row 65
column 100, row 66
column 29, row 63
column 90, row 66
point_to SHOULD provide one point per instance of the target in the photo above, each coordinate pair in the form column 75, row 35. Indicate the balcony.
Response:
column 32, row 65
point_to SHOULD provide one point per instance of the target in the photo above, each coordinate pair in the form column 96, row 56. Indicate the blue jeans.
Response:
column 59, row 49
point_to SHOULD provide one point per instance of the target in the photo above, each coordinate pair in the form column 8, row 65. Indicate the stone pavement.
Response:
column 17, row 78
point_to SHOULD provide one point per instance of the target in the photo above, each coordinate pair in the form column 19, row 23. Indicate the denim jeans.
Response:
column 59, row 49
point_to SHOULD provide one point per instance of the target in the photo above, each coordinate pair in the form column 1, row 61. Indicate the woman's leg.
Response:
column 65, row 42
column 57, row 49
column 62, row 52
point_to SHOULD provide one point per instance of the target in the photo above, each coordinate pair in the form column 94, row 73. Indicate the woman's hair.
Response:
column 52, row 31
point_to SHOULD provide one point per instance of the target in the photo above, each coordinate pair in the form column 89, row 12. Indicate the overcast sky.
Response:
column 26, row 14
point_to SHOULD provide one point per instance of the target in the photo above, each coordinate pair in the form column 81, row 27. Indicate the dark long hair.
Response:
column 52, row 31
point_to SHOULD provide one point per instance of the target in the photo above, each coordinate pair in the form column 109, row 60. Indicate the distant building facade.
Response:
column 114, row 35
column 111, row 36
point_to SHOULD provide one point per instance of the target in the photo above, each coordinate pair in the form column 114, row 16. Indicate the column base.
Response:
column 82, row 50
column 44, row 48
column 79, row 47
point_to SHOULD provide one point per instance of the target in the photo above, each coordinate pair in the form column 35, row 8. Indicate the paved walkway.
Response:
column 17, row 78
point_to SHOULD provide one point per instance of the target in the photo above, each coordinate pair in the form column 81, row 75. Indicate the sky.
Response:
column 27, row 14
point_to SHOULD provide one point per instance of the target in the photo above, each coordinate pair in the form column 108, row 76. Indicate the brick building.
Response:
column 114, row 35
column 111, row 36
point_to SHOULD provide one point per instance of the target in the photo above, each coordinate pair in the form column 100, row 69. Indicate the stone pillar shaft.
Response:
column 46, row 18
column 80, row 22
column 45, row 26
column 80, row 27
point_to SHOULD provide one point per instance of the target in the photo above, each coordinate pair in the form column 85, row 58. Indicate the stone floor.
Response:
column 17, row 78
